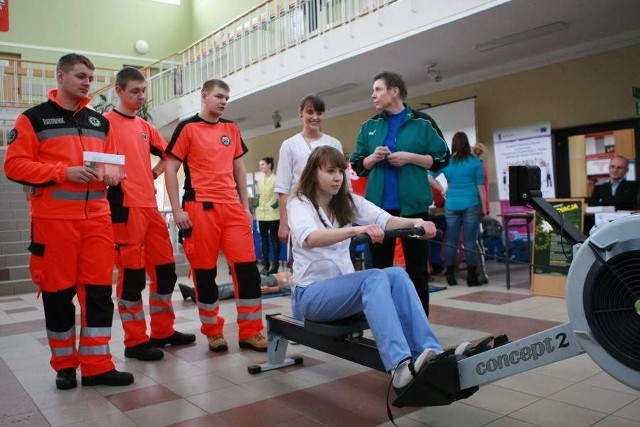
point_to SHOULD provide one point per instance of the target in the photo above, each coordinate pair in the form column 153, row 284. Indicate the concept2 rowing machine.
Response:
column 603, row 304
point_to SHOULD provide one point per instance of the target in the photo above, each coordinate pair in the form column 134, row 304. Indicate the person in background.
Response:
column 464, row 206
column 269, row 284
column 295, row 151
column 326, row 287
column 71, row 235
column 479, row 150
column 436, row 253
column 141, row 234
column 395, row 149
column 214, row 215
column 617, row 191
column 268, row 216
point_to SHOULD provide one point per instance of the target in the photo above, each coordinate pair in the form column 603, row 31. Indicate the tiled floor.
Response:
column 194, row 387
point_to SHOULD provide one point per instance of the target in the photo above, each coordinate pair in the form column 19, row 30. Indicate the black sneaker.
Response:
column 178, row 338
column 66, row 379
column 145, row 351
column 112, row 378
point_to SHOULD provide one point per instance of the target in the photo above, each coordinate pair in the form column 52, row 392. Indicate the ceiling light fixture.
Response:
column 141, row 46
column 434, row 74
column 522, row 36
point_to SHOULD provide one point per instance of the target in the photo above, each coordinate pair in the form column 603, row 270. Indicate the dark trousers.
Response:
column 416, row 254
column 269, row 231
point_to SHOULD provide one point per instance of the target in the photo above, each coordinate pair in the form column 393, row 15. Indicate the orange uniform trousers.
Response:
column 223, row 227
column 143, row 245
column 72, row 257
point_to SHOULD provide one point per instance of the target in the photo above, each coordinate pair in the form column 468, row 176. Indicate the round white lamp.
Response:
column 142, row 47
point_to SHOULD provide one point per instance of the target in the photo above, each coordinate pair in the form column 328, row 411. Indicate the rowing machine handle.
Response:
column 398, row 232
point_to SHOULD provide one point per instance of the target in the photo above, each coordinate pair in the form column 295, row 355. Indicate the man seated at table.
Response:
column 617, row 191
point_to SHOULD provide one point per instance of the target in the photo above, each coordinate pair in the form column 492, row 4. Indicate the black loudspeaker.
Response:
column 524, row 182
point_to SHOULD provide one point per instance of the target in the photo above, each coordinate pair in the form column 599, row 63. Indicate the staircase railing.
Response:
column 261, row 33
column 25, row 83
column 258, row 34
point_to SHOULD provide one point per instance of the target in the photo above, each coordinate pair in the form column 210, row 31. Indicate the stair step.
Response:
column 15, row 235
column 15, row 224
column 15, row 287
column 7, row 214
column 15, row 272
column 16, row 195
column 13, row 247
column 10, row 186
column 11, row 260
column 15, row 204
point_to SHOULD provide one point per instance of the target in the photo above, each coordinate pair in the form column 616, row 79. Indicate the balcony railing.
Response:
column 25, row 83
column 255, row 36
column 261, row 33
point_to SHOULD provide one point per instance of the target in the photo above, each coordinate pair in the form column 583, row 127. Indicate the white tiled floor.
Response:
column 197, row 384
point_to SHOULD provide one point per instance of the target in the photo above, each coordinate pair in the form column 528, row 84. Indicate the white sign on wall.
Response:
column 457, row 116
column 452, row 117
column 528, row 145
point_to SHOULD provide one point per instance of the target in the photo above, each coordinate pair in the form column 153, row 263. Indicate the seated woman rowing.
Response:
column 326, row 288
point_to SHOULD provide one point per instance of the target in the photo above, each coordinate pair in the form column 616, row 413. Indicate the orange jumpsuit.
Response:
column 141, row 234
column 72, row 239
column 220, row 222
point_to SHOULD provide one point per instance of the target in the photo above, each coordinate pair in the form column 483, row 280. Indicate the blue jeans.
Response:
column 469, row 220
column 389, row 302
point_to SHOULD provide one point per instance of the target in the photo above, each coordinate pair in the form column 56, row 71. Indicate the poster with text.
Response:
column 528, row 145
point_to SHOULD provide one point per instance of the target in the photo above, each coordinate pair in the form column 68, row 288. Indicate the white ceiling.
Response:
column 592, row 26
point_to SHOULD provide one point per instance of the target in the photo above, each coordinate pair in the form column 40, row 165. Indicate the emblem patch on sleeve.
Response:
column 13, row 135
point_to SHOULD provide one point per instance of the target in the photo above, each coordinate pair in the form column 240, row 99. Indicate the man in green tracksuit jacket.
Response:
column 395, row 149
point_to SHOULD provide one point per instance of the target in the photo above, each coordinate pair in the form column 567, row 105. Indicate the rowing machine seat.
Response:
column 347, row 326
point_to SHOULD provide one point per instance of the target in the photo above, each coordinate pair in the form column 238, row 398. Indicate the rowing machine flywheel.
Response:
column 603, row 298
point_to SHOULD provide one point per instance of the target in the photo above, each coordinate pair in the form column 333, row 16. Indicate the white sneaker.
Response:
column 402, row 375
column 462, row 349
column 407, row 369
column 427, row 354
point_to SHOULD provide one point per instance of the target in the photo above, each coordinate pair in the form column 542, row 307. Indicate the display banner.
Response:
column 525, row 145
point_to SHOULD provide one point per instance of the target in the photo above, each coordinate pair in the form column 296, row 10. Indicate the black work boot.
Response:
column 472, row 276
column 177, row 338
column 450, row 274
column 112, row 378
column 145, row 351
column 66, row 379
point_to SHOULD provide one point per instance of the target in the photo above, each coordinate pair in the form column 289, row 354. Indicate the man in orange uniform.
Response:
column 215, row 216
column 142, row 238
column 72, row 239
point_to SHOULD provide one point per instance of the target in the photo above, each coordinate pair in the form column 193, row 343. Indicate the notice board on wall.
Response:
column 552, row 253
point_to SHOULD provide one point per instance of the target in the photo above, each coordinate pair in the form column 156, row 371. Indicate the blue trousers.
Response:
column 469, row 220
column 389, row 301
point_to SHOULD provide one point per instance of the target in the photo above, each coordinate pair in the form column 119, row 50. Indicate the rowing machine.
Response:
column 603, row 304
column 343, row 338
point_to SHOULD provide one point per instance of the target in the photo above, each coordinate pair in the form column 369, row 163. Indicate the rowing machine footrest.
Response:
column 346, row 326
column 437, row 384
